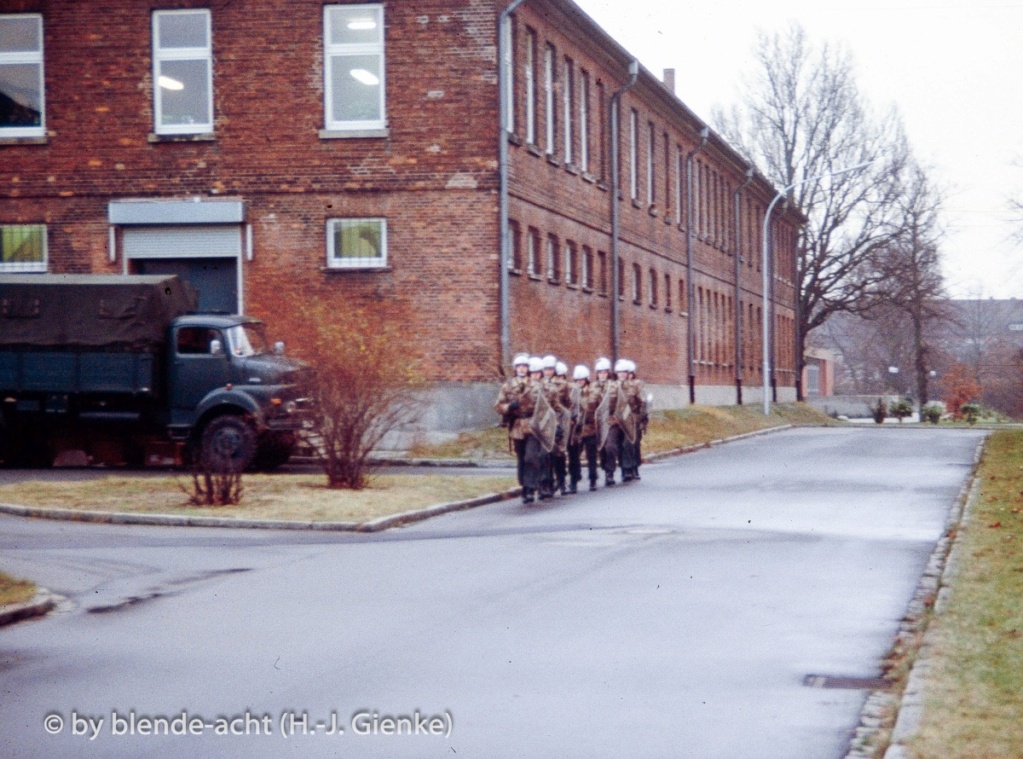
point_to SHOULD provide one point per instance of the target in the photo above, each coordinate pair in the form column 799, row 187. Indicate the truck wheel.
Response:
column 228, row 444
column 274, row 451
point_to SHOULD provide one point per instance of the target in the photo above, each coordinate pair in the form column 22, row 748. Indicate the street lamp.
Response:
column 764, row 252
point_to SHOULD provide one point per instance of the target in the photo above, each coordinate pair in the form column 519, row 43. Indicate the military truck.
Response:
column 120, row 369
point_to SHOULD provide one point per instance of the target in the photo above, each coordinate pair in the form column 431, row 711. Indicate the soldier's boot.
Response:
column 561, row 486
column 593, row 485
column 609, row 479
column 527, row 495
column 573, row 486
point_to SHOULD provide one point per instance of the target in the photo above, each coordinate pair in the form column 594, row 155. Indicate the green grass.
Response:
column 15, row 591
column 974, row 697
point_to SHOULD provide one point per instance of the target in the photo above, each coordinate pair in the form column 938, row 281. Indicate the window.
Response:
column 571, row 263
column 553, row 259
column 667, row 292
column 529, row 75
column 679, row 179
column 633, row 154
column 683, row 298
column 567, row 109
column 548, row 91
column 621, row 279
column 587, row 273
column 653, row 288
column 22, row 248
column 199, row 341
column 584, row 121
column 515, row 239
column 601, row 130
column 651, row 187
column 354, row 66
column 534, row 252
column 182, row 72
column 602, row 264
column 21, row 76
column 356, row 243
column 508, row 64
column 637, row 283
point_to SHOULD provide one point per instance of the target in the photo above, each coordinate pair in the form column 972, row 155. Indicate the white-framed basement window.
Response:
column 182, row 72
column 22, row 248
column 22, row 102
column 357, row 243
column 354, row 67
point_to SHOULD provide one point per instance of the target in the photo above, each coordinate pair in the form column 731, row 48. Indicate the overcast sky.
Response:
column 953, row 69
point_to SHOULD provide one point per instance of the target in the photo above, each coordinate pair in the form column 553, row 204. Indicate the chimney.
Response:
column 669, row 80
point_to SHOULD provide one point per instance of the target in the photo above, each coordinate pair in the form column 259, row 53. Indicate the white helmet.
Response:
column 561, row 369
column 602, row 365
column 522, row 358
column 580, row 372
column 535, row 364
column 632, row 366
column 622, row 365
column 549, row 361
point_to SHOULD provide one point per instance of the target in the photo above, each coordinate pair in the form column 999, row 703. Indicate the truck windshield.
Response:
column 248, row 340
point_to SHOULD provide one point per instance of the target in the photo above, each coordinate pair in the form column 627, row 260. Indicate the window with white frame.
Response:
column 566, row 94
column 508, row 63
column 529, row 76
column 633, row 154
column 356, row 243
column 182, row 72
column 549, row 99
column 533, row 261
column 584, row 121
column 22, row 248
column 553, row 259
column 651, row 186
column 571, row 263
column 587, row 267
column 354, row 66
column 22, row 105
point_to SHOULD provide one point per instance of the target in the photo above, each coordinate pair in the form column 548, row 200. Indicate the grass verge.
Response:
column 668, row 430
column 279, row 496
column 974, row 692
column 15, row 591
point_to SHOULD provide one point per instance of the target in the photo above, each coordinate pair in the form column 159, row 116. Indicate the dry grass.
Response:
column 278, row 496
column 15, row 591
column 669, row 430
column 975, row 692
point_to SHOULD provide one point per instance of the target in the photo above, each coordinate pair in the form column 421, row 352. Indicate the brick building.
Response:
column 352, row 153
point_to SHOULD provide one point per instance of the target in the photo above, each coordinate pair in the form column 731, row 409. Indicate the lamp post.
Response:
column 766, row 280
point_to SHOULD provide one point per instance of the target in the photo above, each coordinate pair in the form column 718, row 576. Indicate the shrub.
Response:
column 900, row 409
column 932, row 413
column 879, row 411
column 970, row 412
column 961, row 388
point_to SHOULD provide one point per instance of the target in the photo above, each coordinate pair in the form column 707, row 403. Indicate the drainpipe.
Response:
column 615, row 200
column 750, row 173
column 690, row 335
column 503, row 84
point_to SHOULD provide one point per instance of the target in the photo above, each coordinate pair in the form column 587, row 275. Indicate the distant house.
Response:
column 354, row 153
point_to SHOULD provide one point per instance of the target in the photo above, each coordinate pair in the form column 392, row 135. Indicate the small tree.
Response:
column 961, row 388
column 900, row 409
column 214, row 488
column 879, row 411
column 366, row 383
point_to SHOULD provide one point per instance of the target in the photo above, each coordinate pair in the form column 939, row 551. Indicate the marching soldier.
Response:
column 563, row 393
column 633, row 389
column 584, row 429
column 552, row 390
column 627, row 423
column 516, row 403
column 608, row 430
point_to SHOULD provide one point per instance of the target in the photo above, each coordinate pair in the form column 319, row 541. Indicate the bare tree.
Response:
column 907, row 270
column 800, row 119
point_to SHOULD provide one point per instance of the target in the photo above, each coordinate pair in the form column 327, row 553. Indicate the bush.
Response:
column 879, row 411
column 961, row 389
column 214, row 487
column 932, row 413
column 366, row 383
column 900, row 409
column 970, row 412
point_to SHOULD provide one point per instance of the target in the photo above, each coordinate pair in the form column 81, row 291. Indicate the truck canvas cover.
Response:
column 90, row 310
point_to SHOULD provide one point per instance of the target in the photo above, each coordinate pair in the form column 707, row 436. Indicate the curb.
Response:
column 891, row 717
column 374, row 525
column 171, row 520
column 41, row 604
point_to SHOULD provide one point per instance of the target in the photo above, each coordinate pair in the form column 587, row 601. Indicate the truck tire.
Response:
column 274, row 451
column 227, row 444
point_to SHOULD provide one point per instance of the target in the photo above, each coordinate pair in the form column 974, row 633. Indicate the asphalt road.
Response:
column 674, row 617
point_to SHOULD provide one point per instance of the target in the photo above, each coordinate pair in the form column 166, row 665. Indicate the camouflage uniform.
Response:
column 630, row 451
column 609, row 451
column 584, row 438
column 560, row 396
column 516, row 403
